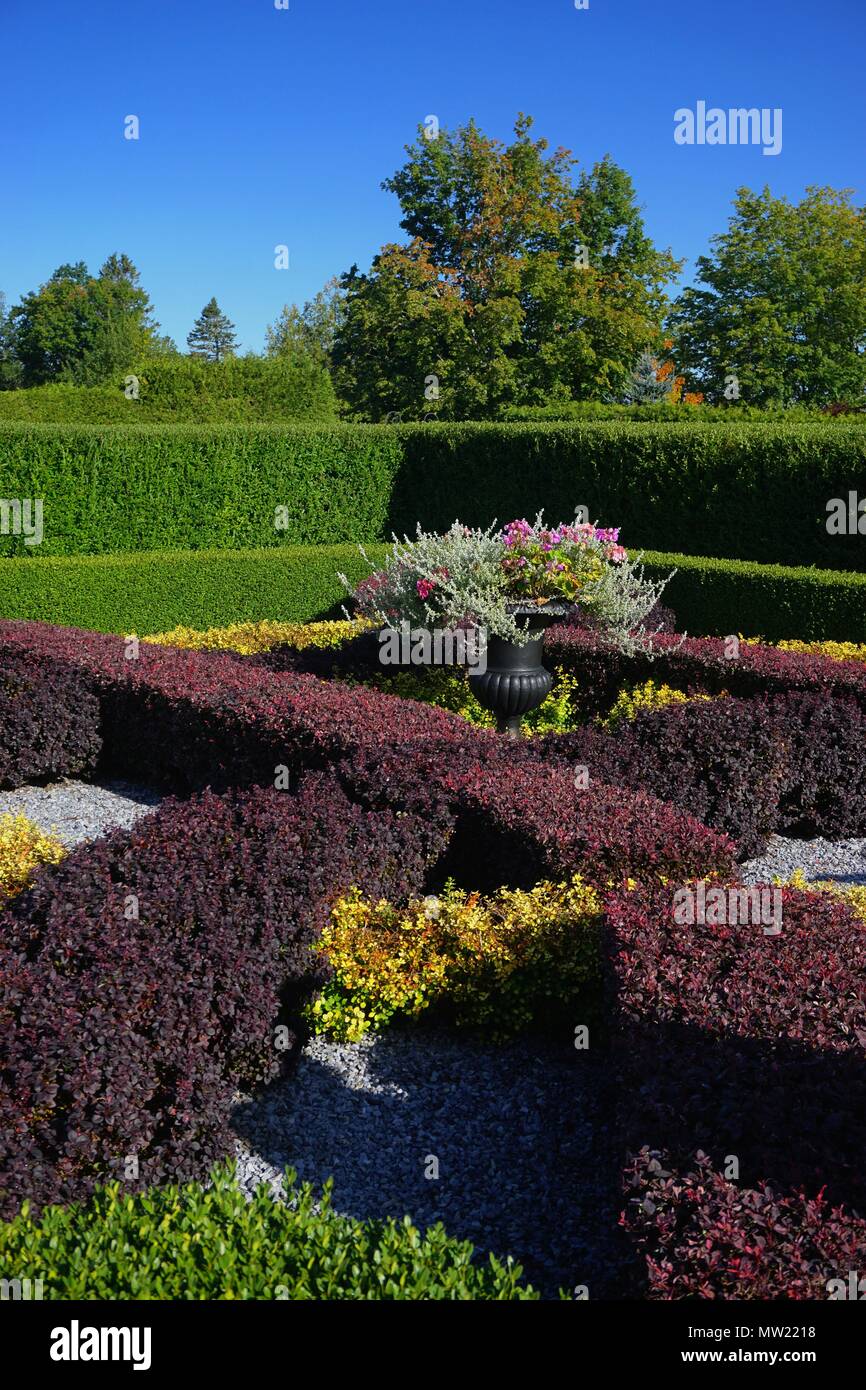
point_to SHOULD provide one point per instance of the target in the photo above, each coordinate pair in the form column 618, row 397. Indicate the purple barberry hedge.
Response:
column 154, row 974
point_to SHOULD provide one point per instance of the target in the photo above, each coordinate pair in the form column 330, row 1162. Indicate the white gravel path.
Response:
column 842, row 861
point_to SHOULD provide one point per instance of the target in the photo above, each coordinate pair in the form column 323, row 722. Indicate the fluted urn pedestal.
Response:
column 515, row 681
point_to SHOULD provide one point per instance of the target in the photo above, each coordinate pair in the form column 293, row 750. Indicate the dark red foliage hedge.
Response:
column 786, row 756
column 792, row 764
column 726, row 762
column 739, row 1044
column 49, row 720
column 824, row 791
column 519, row 820
column 129, row 1034
column 703, row 1236
column 696, row 664
column 191, row 719
column 778, row 1023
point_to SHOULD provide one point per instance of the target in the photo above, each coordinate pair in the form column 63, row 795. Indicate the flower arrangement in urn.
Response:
column 497, row 580
column 505, row 587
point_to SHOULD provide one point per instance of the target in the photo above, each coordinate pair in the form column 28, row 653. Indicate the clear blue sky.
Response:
column 262, row 126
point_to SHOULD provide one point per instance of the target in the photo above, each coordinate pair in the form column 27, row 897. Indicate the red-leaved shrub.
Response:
column 702, row 1236
column 742, row 1045
column 49, row 720
column 142, row 979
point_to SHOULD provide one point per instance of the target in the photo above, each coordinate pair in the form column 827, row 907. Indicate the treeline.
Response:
column 87, row 349
column 523, row 289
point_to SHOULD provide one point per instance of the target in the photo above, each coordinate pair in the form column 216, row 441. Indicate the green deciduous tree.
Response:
column 81, row 328
column 519, row 285
column 780, row 303
column 312, row 329
column 212, row 335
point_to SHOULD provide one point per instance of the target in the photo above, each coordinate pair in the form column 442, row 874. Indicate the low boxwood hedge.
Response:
column 194, row 1242
column 715, row 597
column 159, row 590
column 181, row 389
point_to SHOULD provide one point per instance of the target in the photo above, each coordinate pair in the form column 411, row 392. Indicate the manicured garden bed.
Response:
column 150, row 977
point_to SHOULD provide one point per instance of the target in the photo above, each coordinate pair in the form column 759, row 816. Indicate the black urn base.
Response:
column 515, row 682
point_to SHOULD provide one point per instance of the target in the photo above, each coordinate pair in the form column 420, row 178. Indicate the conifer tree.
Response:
column 213, row 334
column 644, row 387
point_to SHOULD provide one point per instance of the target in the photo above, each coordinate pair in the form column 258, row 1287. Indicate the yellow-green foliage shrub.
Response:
column 250, row 638
column 449, row 689
column 634, row 701
column 23, row 846
column 853, row 893
column 839, row 651
column 496, row 962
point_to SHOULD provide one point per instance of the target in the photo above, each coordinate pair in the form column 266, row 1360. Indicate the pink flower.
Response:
column 425, row 587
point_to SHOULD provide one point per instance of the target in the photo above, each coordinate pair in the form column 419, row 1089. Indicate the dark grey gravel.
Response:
column 79, row 811
column 840, row 861
column 517, row 1131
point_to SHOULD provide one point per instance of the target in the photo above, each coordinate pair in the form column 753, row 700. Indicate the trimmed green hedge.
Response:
column 751, row 491
column 164, row 589
column 192, row 1243
column 197, row 588
column 116, row 490
column 714, row 598
column 669, row 411
column 177, row 389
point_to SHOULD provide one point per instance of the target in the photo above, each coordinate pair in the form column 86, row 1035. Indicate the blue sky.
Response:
column 261, row 127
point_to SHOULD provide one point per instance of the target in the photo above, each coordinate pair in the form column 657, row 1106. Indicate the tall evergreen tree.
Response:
column 212, row 335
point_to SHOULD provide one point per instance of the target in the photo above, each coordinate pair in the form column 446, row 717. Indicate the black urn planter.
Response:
column 515, row 682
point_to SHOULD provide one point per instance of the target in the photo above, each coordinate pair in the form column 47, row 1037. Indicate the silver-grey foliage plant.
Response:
column 462, row 572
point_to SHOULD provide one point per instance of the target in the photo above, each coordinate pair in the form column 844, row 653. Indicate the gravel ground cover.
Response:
column 840, row 861
column 498, row 1123
column 501, row 1124
column 78, row 811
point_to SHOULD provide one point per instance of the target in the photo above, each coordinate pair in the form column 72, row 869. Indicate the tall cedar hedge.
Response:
column 749, row 491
